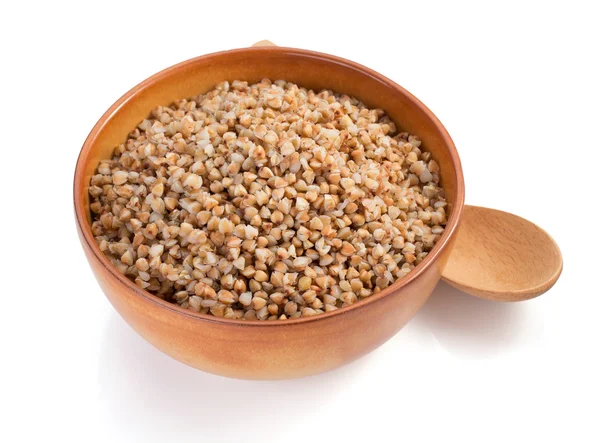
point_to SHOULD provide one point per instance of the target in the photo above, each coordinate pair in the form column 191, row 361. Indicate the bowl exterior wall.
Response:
column 290, row 348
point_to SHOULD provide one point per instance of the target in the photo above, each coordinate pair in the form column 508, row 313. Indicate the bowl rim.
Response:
column 88, row 239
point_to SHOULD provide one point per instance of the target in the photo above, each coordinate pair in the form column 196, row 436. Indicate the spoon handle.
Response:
column 500, row 256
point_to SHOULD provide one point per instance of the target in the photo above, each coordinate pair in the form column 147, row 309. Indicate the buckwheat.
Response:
column 267, row 202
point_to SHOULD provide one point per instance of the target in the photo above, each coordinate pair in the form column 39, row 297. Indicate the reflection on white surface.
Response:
column 470, row 327
column 136, row 377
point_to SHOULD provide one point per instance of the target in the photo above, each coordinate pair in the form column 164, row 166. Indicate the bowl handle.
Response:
column 263, row 43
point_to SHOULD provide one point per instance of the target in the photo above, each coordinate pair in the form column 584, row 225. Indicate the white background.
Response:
column 516, row 85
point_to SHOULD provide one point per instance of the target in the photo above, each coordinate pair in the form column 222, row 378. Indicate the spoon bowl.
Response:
column 500, row 256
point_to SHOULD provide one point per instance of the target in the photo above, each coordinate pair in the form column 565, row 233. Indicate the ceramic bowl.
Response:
column 282, row 348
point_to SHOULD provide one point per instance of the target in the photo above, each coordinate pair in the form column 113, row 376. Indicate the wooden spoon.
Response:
column 499, row 256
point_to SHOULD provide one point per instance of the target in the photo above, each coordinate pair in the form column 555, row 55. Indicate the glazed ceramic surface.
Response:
column 281, row 348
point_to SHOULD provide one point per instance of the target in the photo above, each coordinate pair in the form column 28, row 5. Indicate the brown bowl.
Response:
column 282, row 348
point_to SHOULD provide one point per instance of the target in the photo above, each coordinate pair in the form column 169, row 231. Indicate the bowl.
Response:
column 282, row 348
